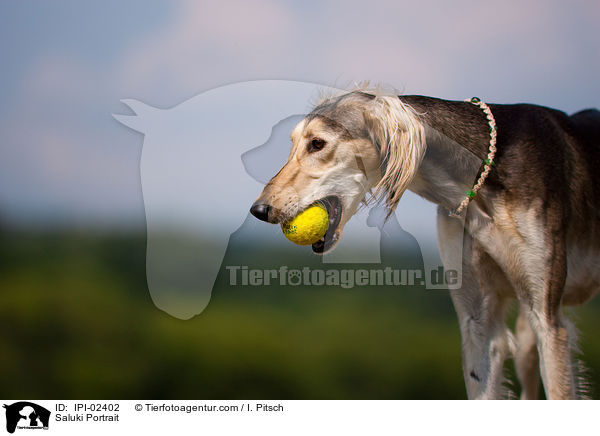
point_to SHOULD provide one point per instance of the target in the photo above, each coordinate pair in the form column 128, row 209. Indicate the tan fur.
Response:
column 348, row 168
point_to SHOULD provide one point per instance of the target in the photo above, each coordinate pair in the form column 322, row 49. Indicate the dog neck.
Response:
column 456, row 140
column 446, row 173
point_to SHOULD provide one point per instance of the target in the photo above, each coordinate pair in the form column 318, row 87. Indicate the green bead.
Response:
column 470, row 194
column 475, row 100
column 489, row 162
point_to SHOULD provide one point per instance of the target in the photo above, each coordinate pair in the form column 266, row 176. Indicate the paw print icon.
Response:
column 294, row 277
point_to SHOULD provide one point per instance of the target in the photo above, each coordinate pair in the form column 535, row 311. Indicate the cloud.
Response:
column 438, row 48
column 205, row 45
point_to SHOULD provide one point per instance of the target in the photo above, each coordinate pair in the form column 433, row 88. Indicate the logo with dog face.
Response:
column 24, row 415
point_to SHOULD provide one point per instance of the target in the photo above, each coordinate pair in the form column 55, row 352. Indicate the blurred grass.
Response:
column 78, row 322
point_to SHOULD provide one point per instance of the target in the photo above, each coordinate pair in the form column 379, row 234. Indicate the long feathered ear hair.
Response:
column 395, row 129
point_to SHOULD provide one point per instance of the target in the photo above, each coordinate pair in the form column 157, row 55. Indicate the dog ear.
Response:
column 395, row 129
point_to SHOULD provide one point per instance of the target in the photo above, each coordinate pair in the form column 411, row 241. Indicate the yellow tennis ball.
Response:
column 308, row 226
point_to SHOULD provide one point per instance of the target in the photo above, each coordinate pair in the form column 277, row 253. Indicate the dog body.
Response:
column 531, row 233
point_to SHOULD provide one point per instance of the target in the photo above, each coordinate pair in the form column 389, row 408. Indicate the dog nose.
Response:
column 260, row 211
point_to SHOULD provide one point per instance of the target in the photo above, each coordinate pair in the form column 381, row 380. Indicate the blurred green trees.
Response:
column 77, row 321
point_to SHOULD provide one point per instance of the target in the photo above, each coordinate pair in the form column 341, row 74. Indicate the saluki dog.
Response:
column 531, row 230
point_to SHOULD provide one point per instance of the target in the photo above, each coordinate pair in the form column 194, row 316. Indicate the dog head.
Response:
column 347, row 147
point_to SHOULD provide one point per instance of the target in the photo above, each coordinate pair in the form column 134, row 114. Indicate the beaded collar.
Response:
column 489, row 161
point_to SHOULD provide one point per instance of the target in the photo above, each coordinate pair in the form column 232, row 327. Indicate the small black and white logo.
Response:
column 26, row 415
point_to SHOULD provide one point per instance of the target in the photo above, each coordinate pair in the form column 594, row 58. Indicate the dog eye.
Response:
column 316, row 144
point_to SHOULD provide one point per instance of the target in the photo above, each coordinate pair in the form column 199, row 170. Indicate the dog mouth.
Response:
column 334, row 210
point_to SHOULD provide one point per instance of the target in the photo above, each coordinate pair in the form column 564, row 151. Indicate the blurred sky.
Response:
column 66, row 65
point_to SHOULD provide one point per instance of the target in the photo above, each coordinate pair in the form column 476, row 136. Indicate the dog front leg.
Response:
column 532, row 252
column 539, row 270
column 555, row 339
column 526, row 357
column 486, row 341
